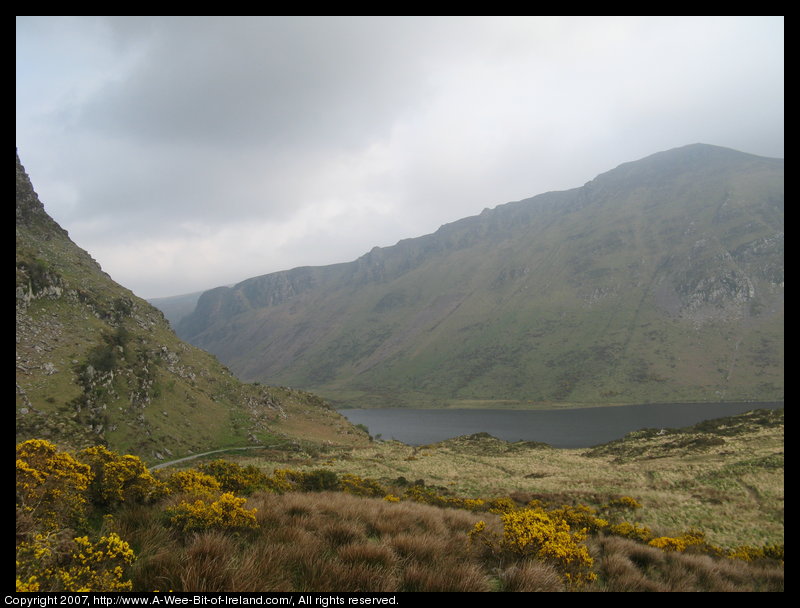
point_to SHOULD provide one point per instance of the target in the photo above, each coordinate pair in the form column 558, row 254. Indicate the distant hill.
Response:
column 658, row 281
column 97, row 365
column 175, row 308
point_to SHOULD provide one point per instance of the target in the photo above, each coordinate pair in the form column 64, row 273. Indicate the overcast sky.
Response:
column 189, row 152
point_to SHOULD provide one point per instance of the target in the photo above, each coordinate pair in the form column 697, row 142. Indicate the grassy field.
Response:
column 725, row 477
column 695, row 509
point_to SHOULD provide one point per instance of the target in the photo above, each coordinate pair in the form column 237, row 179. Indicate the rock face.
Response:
column 660, row 280
column 96, row 364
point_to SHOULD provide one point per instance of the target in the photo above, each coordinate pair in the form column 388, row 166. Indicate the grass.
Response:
column 625, row 565
column 313, row 542
column 731, row 487
column 336, row 541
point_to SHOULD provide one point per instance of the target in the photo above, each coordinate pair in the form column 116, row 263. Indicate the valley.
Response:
column 170, row 465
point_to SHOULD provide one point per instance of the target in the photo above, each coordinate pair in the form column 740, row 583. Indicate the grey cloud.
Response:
column 338, row 134
column 262, row 81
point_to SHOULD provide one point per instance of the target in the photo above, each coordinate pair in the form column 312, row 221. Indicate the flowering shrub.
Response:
column 533, row 533
column 469, row 504
column 226, row 513
column 749, row 553
column 51, row 485
column 353, row 484
column 57, row 562
column 581, row 517
column 631, row 530
column 503, row 504
column 118, row 478
column 282, row 480
column 680, row 543
column 669, row 543
column 235, row 478
column 193, row 482
column 624, row 502
column 429, row 496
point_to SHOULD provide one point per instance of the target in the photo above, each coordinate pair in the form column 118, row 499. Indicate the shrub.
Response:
column 580, row 517
column 429, row 496
column 353, row 484
column 533, row 533
column 194, row 482
column 420, row 493
column 748, row 553
column 283, row 480
column 692, row 538
column 226, row 513
column 468, row 504
column 235, row 478
column 503, row 504
column 51, row 485
column 56, row 562
column 624, row 502
column 631, row 530
column 118, row 478
column 318, row 480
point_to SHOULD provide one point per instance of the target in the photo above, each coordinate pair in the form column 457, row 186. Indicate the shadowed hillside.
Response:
column 96, row 364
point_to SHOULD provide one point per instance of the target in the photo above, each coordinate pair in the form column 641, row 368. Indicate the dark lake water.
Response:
column 567, row 428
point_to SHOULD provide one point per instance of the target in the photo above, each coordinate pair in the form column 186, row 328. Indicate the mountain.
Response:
column 658, row 281
column 175, row 308
column 97, row 365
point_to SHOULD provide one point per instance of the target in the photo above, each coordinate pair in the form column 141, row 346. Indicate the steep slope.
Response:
column 95, row 364
column 661, row 280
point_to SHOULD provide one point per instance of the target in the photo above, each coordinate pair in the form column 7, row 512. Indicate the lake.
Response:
column 564, row 428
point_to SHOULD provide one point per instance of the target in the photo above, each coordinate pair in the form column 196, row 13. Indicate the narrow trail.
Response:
column 193, row 456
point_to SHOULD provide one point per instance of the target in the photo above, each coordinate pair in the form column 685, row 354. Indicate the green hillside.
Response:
column 97, row 365
column 658, row 281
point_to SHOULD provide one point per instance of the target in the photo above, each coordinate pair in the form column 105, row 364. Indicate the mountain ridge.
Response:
column 689, row 237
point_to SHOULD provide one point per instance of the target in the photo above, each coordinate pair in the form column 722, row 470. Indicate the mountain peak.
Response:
column 617, row 291
column 30, row 210
column 687, row 161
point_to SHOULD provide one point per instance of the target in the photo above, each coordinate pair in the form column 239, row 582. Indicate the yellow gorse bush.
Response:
column 51, row 485
column 282, row 480
column 749, row 553
column 692, row 538
column 118, row 478
column 358, row 486
column 56, row 562
column 535, row 534
column 236, row 478
column 633, row 531
column 226, row 513
column 193, row 482
column 503, row 504
column 580, row 517
column 624, row 502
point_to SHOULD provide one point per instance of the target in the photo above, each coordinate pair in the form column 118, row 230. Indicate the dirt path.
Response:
column 171, row 462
